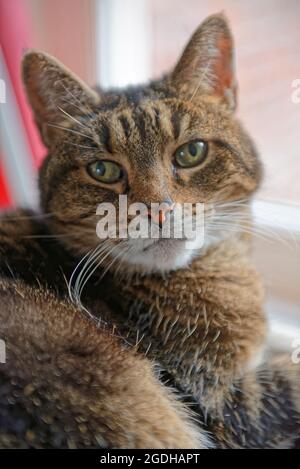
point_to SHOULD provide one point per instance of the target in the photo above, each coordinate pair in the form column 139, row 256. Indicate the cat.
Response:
column 160, row 345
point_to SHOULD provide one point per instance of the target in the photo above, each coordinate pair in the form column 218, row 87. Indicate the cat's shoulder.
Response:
column 18, row 221
column 28, row 250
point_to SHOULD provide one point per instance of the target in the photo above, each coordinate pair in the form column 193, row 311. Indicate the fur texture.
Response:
column 78, row 381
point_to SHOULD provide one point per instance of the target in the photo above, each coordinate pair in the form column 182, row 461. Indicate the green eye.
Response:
column 191, row 154
column 105, row 171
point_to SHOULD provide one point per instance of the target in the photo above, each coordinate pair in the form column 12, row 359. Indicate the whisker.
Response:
column 244, row 220
column 73, row 292
column 73, row 274
column 88, row 264
column 72, row 118
column 82, row 146
column 241, row 229
column 66, row 129
column 91, row 272
column 121, row 254
column 82, row 110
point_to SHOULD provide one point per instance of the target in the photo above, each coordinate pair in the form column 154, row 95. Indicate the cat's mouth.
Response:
column 160, row 255
column 162, row 242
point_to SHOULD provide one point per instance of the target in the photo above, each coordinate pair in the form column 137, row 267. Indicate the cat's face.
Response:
column 175, row 141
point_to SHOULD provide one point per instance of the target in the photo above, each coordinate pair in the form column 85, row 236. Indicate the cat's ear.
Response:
column 206, row 66
column 54, row 92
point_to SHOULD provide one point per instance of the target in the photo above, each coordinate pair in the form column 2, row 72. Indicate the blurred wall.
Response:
column 267, row 36
column 65, row 29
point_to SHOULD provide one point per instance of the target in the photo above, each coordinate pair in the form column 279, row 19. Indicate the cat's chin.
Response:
column 161, row 256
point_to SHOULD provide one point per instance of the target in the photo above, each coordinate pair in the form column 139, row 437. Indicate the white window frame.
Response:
column 279, row 263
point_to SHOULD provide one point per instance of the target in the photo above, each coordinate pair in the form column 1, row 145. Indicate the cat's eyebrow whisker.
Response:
column 82, row 146
column 68, row 91
column 66, row 129
column 71, row 117
column 89, row 115
column 91, row 129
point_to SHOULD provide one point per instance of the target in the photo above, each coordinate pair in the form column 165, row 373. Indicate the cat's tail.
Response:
column 262, row 409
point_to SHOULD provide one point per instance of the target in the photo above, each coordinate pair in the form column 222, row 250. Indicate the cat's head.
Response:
column 175, row 141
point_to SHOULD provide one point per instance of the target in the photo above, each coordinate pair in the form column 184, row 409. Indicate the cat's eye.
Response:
column 105, row 171
column 191, row 154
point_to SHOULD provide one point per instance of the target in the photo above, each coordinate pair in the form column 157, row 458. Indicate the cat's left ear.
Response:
column 206, row 66
column 54, row 91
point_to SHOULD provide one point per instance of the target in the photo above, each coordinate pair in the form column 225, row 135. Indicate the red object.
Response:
column 15, row 40
column 5, row 199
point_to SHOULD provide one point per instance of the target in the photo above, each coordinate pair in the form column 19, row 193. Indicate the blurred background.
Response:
column 120, row 42
column 116, row 42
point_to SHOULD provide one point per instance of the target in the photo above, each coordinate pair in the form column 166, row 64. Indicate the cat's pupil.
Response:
column 193, row 149
column 100, row 168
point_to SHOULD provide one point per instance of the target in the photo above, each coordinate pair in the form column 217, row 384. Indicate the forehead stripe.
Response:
column 105, row 136
column 125, row 124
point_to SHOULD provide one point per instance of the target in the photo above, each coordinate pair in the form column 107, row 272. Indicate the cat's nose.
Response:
column 159, row 216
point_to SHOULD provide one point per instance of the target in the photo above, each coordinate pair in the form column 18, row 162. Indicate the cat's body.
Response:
column 71, row 382
column 75, row 381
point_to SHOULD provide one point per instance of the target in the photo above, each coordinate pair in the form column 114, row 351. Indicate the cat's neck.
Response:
column 202, row 322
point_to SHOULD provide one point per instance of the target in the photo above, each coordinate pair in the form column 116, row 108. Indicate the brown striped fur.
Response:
column 71, row 381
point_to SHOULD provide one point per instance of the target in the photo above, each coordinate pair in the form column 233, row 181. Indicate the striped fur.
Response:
column 73, row 381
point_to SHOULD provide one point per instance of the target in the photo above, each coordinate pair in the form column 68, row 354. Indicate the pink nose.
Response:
column 160, row 216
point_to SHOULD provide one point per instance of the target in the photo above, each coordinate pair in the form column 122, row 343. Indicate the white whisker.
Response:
column 66, row 129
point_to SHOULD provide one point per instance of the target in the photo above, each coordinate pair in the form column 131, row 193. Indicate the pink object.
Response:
column 14, row 40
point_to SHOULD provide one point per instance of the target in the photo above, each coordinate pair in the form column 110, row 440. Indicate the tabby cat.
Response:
column 144, row 343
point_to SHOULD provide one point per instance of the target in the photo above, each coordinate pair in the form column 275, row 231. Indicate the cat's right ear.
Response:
column 207, row 65
column 54, row 92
